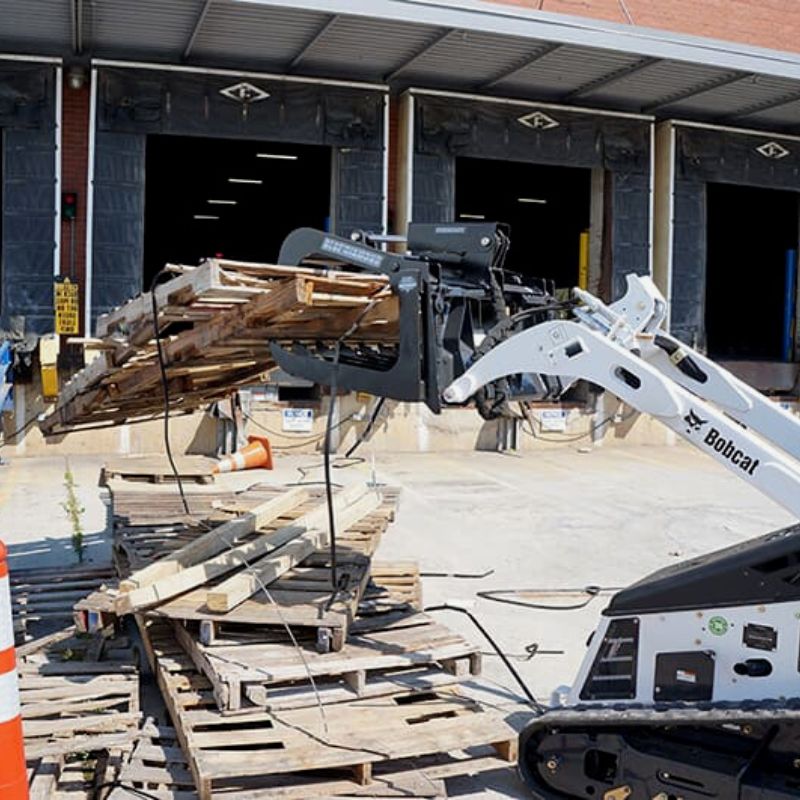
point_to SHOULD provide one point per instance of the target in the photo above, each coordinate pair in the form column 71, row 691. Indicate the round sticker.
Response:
column 718, row 626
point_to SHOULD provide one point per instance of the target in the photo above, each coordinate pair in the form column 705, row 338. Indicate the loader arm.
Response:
column 620, row 348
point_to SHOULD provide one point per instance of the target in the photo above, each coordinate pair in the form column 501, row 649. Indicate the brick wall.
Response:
column 74, row 163
column 765, row 23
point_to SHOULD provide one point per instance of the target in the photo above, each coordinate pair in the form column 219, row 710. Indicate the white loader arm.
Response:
column 604, row 347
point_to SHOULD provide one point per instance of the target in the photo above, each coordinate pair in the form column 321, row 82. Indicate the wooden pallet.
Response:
column 73, row 777
column 291, row 600
column 150, row 522
column 300, row 597
column 216, row 322
column 70, row 707
column 40, row 597
column 376, row 663
column 305, row 753
column 157, row 469
column 157, row 766
column 78, row 693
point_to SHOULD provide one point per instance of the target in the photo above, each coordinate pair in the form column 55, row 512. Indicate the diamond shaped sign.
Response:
column 539, row 121
column 244, row 93
column 773, row 150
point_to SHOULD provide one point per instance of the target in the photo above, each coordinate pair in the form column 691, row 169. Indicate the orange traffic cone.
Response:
column 13, row 775
column 257, row 453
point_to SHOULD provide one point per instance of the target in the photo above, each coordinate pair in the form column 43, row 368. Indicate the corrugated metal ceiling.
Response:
column 47, row 30
column 334, row 43
column 238, row 32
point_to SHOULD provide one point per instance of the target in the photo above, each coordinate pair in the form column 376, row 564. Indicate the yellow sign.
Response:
column 67, row 307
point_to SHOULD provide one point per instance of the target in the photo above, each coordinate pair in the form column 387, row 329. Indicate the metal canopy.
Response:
column 468, row 46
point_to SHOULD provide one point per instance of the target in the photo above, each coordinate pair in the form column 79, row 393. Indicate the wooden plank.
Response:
column 234, row 558
column 216, row 540
column 240, row 587
column 46, row 773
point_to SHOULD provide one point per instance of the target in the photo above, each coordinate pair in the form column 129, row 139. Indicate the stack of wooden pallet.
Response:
column 47, row 596
column 79, row 692
column 216, row 322
column 277, row 687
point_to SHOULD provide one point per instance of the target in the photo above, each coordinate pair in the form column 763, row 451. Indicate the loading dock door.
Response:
column 229, row 198
column 547, row 208
column 749, row 233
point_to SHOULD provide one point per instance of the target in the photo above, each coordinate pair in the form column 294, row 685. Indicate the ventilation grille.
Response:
column 613, row 674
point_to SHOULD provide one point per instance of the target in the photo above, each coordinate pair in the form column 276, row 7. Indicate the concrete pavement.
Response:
column 561, row 519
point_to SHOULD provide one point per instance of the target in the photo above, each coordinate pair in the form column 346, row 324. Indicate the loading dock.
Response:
column 475, row 155
column 228, row 198
column 29, row 170
column 149, row 124
column 750, row 233
column 547, row 209
column 728, row 227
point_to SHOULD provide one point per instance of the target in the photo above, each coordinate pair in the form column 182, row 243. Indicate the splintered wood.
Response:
column 216, row 323
column 79, row 702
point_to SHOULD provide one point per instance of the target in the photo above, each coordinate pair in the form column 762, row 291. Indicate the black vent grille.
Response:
column 613, row 674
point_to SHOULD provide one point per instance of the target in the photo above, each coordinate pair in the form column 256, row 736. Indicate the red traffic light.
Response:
column 69, row 205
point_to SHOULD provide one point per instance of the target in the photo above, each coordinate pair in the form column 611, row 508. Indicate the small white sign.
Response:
column 553, row 419
column 299, row 420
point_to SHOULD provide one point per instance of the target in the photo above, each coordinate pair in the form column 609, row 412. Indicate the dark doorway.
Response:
column 229, row 198
column 749, row 233
column 547, row 208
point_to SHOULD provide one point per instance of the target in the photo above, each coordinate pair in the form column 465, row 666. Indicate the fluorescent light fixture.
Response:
column 205, row 216
column 254, row 181
column 471, row 216
column 277, row 156
column 536, row 200
column 222, row 202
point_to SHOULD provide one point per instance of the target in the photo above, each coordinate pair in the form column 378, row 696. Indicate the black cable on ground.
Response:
column 165, row 389
column 509, row 666
column 496, row 596
column 464, row 575
column 96, row 791
column 566, row 439
column 298, row 443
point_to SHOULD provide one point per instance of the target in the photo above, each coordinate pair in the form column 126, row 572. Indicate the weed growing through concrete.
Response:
column 74, row 510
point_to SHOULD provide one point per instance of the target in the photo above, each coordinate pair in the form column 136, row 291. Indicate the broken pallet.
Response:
column 216, row 322
column 306, row 752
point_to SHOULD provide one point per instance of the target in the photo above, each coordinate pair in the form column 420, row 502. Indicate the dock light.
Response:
column 277, row 156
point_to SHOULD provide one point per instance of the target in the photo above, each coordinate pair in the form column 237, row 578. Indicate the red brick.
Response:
column 74, row 165
column 766, row 23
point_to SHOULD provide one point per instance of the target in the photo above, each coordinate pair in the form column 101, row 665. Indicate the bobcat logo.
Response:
column 693, row 422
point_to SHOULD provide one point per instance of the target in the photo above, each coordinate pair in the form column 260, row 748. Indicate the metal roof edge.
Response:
column 764, row 134
column 55, row 60
column 493, row 17
column 602, row 112
column 235, row 73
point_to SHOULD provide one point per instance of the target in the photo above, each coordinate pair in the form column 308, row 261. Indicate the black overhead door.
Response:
column 27, row 120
